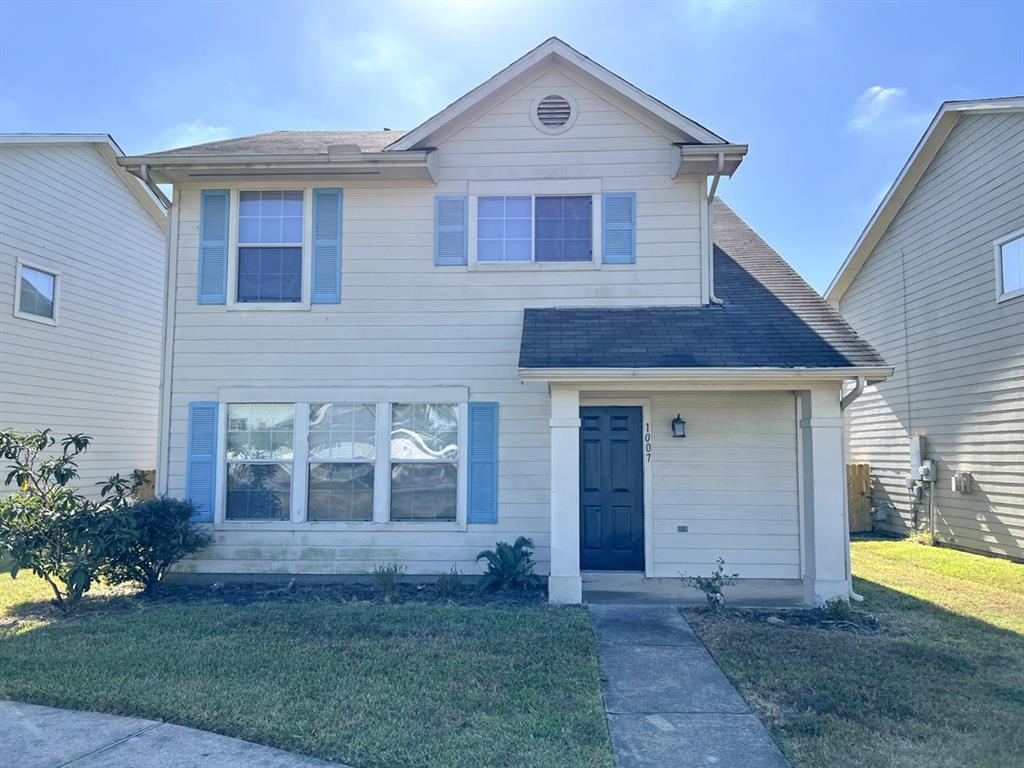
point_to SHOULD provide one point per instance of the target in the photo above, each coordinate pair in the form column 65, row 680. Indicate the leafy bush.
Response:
column 837, row 609
column 712, row 585
column 385, row 578
column 160, row 535
column 509, row 566
column 449, row 583
column 49, row 528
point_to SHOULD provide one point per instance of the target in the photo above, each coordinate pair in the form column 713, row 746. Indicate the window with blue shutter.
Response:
column 327, row 220
column 618, row 243
column 483, row 463
column 212, row 278
column 201, row 478
column 450, row 231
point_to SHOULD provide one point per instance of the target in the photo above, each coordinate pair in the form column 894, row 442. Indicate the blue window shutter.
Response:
column 483, row 462
column 618, row 241
column 212, row 282
column 201, row 479
column 451, row 246
column 327, row 219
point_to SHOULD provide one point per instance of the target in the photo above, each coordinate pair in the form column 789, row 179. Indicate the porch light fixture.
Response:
column 678, row 426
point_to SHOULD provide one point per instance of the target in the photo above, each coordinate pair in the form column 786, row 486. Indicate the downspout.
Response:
column 159, row 193
column 711, row 230
column 844, row 403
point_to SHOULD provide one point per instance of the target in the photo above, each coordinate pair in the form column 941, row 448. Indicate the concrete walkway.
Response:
column 669, row 704
column 43, row 737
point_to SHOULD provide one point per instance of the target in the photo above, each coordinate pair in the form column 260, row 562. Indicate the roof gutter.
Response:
column 706, row 375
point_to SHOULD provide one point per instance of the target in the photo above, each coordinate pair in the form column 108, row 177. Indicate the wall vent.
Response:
column 553, row 113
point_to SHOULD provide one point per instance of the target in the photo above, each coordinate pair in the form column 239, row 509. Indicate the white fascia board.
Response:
column 703, row 375
column 925, row 151
column 557, row 49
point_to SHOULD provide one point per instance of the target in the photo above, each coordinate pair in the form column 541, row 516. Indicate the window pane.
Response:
column 36, row 292
column 563, row 229
column 1013, row 265
column 260, row 431
column 258, row 491
column 269, row 275
column 270, row 217
column 423, row 491
column 339, row 431
column 504, row 226
column 340, row 491
column 424, row 431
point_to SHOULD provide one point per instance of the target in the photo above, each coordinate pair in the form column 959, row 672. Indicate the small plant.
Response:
column 712, row 585
column 509, row 566
column 837, row 609
column 385, row 578
column 161, row 535
column 449, row 583
column 923, row 536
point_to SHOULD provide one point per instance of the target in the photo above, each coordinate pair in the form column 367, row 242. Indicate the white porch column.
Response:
column 824, row 492
column 564, row 584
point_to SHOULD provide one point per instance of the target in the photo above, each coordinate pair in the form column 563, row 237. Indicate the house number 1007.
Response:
column 647, row 441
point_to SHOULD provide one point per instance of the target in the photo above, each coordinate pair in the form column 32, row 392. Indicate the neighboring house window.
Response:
column 36, row 297
column 342, row 450
column 535, row 228
column 1010, row 265
column 270, row 234
column 424, row 461
column 260, row 440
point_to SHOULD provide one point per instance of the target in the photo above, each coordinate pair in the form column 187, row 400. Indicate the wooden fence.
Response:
column 858, row 494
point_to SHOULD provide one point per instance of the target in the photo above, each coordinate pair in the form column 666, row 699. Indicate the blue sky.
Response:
column 831, row 97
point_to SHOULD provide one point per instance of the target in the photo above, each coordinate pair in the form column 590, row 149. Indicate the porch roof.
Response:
column 771, row 319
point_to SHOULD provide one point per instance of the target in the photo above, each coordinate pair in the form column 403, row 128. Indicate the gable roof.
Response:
column 771, row 319
column 550, row 50
column 921, row 158
column 151, row 198
column 288, row 142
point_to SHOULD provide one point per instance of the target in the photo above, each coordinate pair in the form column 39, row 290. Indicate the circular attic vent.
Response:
column 553, row 113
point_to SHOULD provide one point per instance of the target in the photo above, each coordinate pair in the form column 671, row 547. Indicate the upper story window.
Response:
column 1010, row 266
column 551, row 228
column 270, row 234
column 36, row 294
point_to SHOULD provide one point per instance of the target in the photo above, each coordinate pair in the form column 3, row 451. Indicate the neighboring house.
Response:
column 405, row 347
column 936, row 284
column 82, row 250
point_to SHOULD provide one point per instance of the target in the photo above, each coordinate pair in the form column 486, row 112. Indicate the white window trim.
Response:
column 997, row 246
column 304, row 305
column 534, row 189
column 381, row 478
column 55, row 320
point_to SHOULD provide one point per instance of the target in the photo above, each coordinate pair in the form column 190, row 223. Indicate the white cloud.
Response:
column 884, row 109
column 187, row 134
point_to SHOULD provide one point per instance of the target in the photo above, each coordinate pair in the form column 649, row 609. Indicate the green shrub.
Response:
column 385, row 578
column 509, row 566
column 837, row 609
column 712, row 585
column 449, row 583
column 161, row 535
column 46, row 526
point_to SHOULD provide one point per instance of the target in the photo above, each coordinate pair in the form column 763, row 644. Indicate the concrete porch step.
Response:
column 630, row 588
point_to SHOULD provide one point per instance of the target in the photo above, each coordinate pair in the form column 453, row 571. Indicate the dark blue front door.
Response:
column 611, row 488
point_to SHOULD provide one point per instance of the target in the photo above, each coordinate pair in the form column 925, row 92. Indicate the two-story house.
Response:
column 83, row 245
column 527, row 316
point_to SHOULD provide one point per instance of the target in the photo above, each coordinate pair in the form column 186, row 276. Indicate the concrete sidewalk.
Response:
column 43, row 737
column 669, row 704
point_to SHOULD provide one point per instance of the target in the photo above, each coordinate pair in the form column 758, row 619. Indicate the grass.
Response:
column 942, row 685
column 366, row 684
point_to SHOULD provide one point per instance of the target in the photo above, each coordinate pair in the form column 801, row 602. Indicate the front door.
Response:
column 611, row 488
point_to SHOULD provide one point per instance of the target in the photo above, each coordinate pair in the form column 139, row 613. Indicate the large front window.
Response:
column 523, row 228
column 260, row 442
column 424, row 461
column 270, row 234
column 342, row 451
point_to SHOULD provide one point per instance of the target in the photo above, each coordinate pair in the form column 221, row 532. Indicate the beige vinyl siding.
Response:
column 62, row 207
column 404, row 322
column 926, row 299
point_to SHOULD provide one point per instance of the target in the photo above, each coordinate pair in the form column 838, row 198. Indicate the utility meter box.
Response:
column 917, row 454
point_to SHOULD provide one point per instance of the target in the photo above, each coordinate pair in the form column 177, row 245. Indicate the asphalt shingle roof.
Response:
column 771, row 318
column 290, row 142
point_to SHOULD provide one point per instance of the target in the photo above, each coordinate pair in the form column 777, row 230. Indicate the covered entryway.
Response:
column 611, row 488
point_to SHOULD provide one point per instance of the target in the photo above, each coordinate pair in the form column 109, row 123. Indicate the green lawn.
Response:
column 370, row 685
column 941, row 686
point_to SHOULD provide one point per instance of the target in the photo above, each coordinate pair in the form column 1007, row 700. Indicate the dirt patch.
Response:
column 855, row 622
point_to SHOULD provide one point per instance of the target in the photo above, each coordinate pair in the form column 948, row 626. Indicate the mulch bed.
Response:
column 856, row 622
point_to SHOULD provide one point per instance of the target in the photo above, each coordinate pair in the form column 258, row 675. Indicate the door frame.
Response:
column 646, row 462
